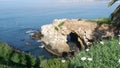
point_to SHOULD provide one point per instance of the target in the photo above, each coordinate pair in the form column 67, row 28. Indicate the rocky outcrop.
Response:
column 68, row 36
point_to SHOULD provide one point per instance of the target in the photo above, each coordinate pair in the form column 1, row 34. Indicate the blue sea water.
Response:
column 19, row 16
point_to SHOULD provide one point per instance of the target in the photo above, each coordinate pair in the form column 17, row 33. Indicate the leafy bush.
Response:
column 5, row 51
column 15, row 58
column 53, row 63
column 10, row 56
column 22, row 57
column 79, row 19
column 56, row 28
column 19, row 57
column 103, row 20
column 30, row 61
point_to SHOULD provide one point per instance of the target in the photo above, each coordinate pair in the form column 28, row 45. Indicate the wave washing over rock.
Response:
column 65, row 36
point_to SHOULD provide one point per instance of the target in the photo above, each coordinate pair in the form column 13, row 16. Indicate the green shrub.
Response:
column 10, row 56
column 53, row 63
column 56, row 28
column 103, row 20
column 30, row 61
column 5, row 51
column 15, row 58
column 22, row 57
column 79, row 19
column 19, row 58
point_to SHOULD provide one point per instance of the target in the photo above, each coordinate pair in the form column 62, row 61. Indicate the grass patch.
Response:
column 62, row 23
column 54, row 63
column 105, row 55
column 101, row 20
column 59, row 25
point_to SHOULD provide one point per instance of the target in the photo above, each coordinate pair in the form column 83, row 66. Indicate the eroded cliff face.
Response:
column 67, row 36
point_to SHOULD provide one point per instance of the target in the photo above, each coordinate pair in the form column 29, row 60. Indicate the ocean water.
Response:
column 19, row 16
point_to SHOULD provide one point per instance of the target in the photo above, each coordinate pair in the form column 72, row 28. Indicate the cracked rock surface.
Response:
column 66, row 35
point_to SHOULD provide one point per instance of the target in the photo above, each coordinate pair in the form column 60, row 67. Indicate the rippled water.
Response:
column 19, row 16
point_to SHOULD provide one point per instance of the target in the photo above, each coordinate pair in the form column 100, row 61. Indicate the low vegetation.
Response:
column 105, row 54
column 59, row 25
column 101, row 20
column 11, row 58
column 54, row 63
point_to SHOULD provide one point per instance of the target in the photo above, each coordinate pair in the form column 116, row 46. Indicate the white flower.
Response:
column 41, row 46
column 87, row 49
column 63, row 61
column 89, row 59
column 83, row 58
column 102, row 42
column 119, row 43
column 119, row 61
column 119, row 35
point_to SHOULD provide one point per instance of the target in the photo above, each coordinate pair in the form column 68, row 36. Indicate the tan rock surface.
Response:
column 55, row 34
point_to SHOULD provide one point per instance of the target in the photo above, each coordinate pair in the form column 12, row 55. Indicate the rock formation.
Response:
column 66, row 36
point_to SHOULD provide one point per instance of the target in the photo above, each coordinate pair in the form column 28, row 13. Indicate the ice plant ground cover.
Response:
column 100, row 56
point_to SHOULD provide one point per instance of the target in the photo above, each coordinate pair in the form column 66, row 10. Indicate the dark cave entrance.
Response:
column 72, row 41
column 75, row 43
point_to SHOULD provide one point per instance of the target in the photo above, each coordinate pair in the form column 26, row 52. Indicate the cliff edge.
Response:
column 65, row 36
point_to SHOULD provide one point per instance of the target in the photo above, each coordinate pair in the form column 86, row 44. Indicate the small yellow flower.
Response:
column 119, row 43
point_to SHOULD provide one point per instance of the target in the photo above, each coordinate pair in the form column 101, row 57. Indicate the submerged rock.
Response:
column 22, row 39
column 36, row 35
column 28, row 43
column 72, row 35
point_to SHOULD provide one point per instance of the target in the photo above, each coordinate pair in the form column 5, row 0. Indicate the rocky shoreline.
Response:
column 65, row 36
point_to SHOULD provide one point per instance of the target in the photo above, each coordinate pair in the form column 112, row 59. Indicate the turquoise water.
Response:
column 17, row 17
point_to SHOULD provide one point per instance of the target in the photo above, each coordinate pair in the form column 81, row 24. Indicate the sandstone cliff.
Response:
column 67, row 36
